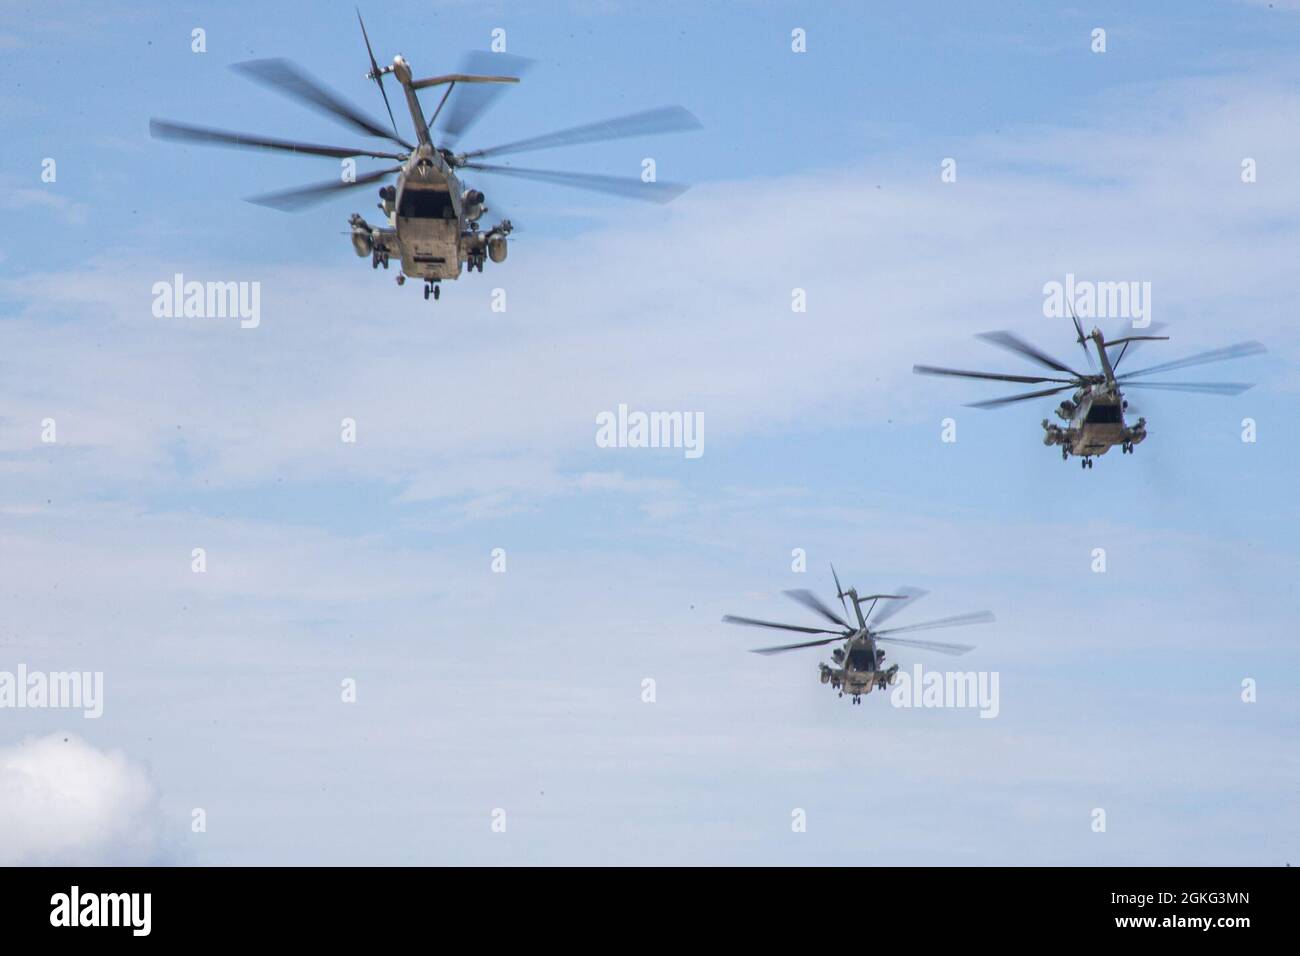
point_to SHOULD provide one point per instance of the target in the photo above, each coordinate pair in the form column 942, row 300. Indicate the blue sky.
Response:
column 522, row 691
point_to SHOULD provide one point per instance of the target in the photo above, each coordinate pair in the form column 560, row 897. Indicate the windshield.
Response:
column 426, row 204
column 1104, row 415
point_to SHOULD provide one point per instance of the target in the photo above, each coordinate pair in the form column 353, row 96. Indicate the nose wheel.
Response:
column 434, row 289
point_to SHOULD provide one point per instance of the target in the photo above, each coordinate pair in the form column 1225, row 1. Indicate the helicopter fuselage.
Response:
column 432, row 219
column 858, row 667
column 1095, row 423
column 433, row 224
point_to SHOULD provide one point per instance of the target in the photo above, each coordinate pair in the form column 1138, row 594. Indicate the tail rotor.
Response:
column 376, row 73
column 1082, row 339
column 839, row 591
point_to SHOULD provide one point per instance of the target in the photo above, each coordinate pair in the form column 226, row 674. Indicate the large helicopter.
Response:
column 432, row 218
column 859, row 664
column 1094, row 414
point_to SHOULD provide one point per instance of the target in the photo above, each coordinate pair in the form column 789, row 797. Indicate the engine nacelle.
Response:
column 497, row 248
column 472, row 205
column 1138, row 433
column 1054, row 435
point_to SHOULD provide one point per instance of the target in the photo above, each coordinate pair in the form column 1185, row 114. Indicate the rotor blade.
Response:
column 940, row 646
column 992, row 376
column 1082, row 340
column 614, row 185
column 840, row 591
column 1012, row 399
column 892, row 606
column 470, row 101
column 1133, row 343
column 289, row 200
column 666, row 119
column 1208, row 388
column 1078, row 326
column 376, row 73
column 754, row 622
column 1125, row 339
column 975, row 617
column 283, row 77
column 162, row 129
column 1239, row 350
column 1013, row 343
column 814, row 603
column 791, row 647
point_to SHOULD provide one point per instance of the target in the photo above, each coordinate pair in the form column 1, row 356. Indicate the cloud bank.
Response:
column 65, row 802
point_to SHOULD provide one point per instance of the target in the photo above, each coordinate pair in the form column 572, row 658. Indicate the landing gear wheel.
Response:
column 426, row 290
column 437, row 292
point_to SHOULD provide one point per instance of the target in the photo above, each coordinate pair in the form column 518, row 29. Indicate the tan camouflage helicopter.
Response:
column 859, row 665
column 1094, row 415
column 432, row 218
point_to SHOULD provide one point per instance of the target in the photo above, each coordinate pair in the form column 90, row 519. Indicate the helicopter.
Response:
column 432, row 219
column 1094, row 414
column 859, row 664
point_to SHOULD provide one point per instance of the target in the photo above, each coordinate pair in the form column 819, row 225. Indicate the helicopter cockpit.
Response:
column 1104, row 414
column 426, row 204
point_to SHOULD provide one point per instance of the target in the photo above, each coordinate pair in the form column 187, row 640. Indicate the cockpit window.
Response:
column 861, row 659
column 426, row 204
column 1104, row 415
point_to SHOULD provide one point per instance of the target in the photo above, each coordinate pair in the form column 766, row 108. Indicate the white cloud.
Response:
column 65, row 802
column 40, row 200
